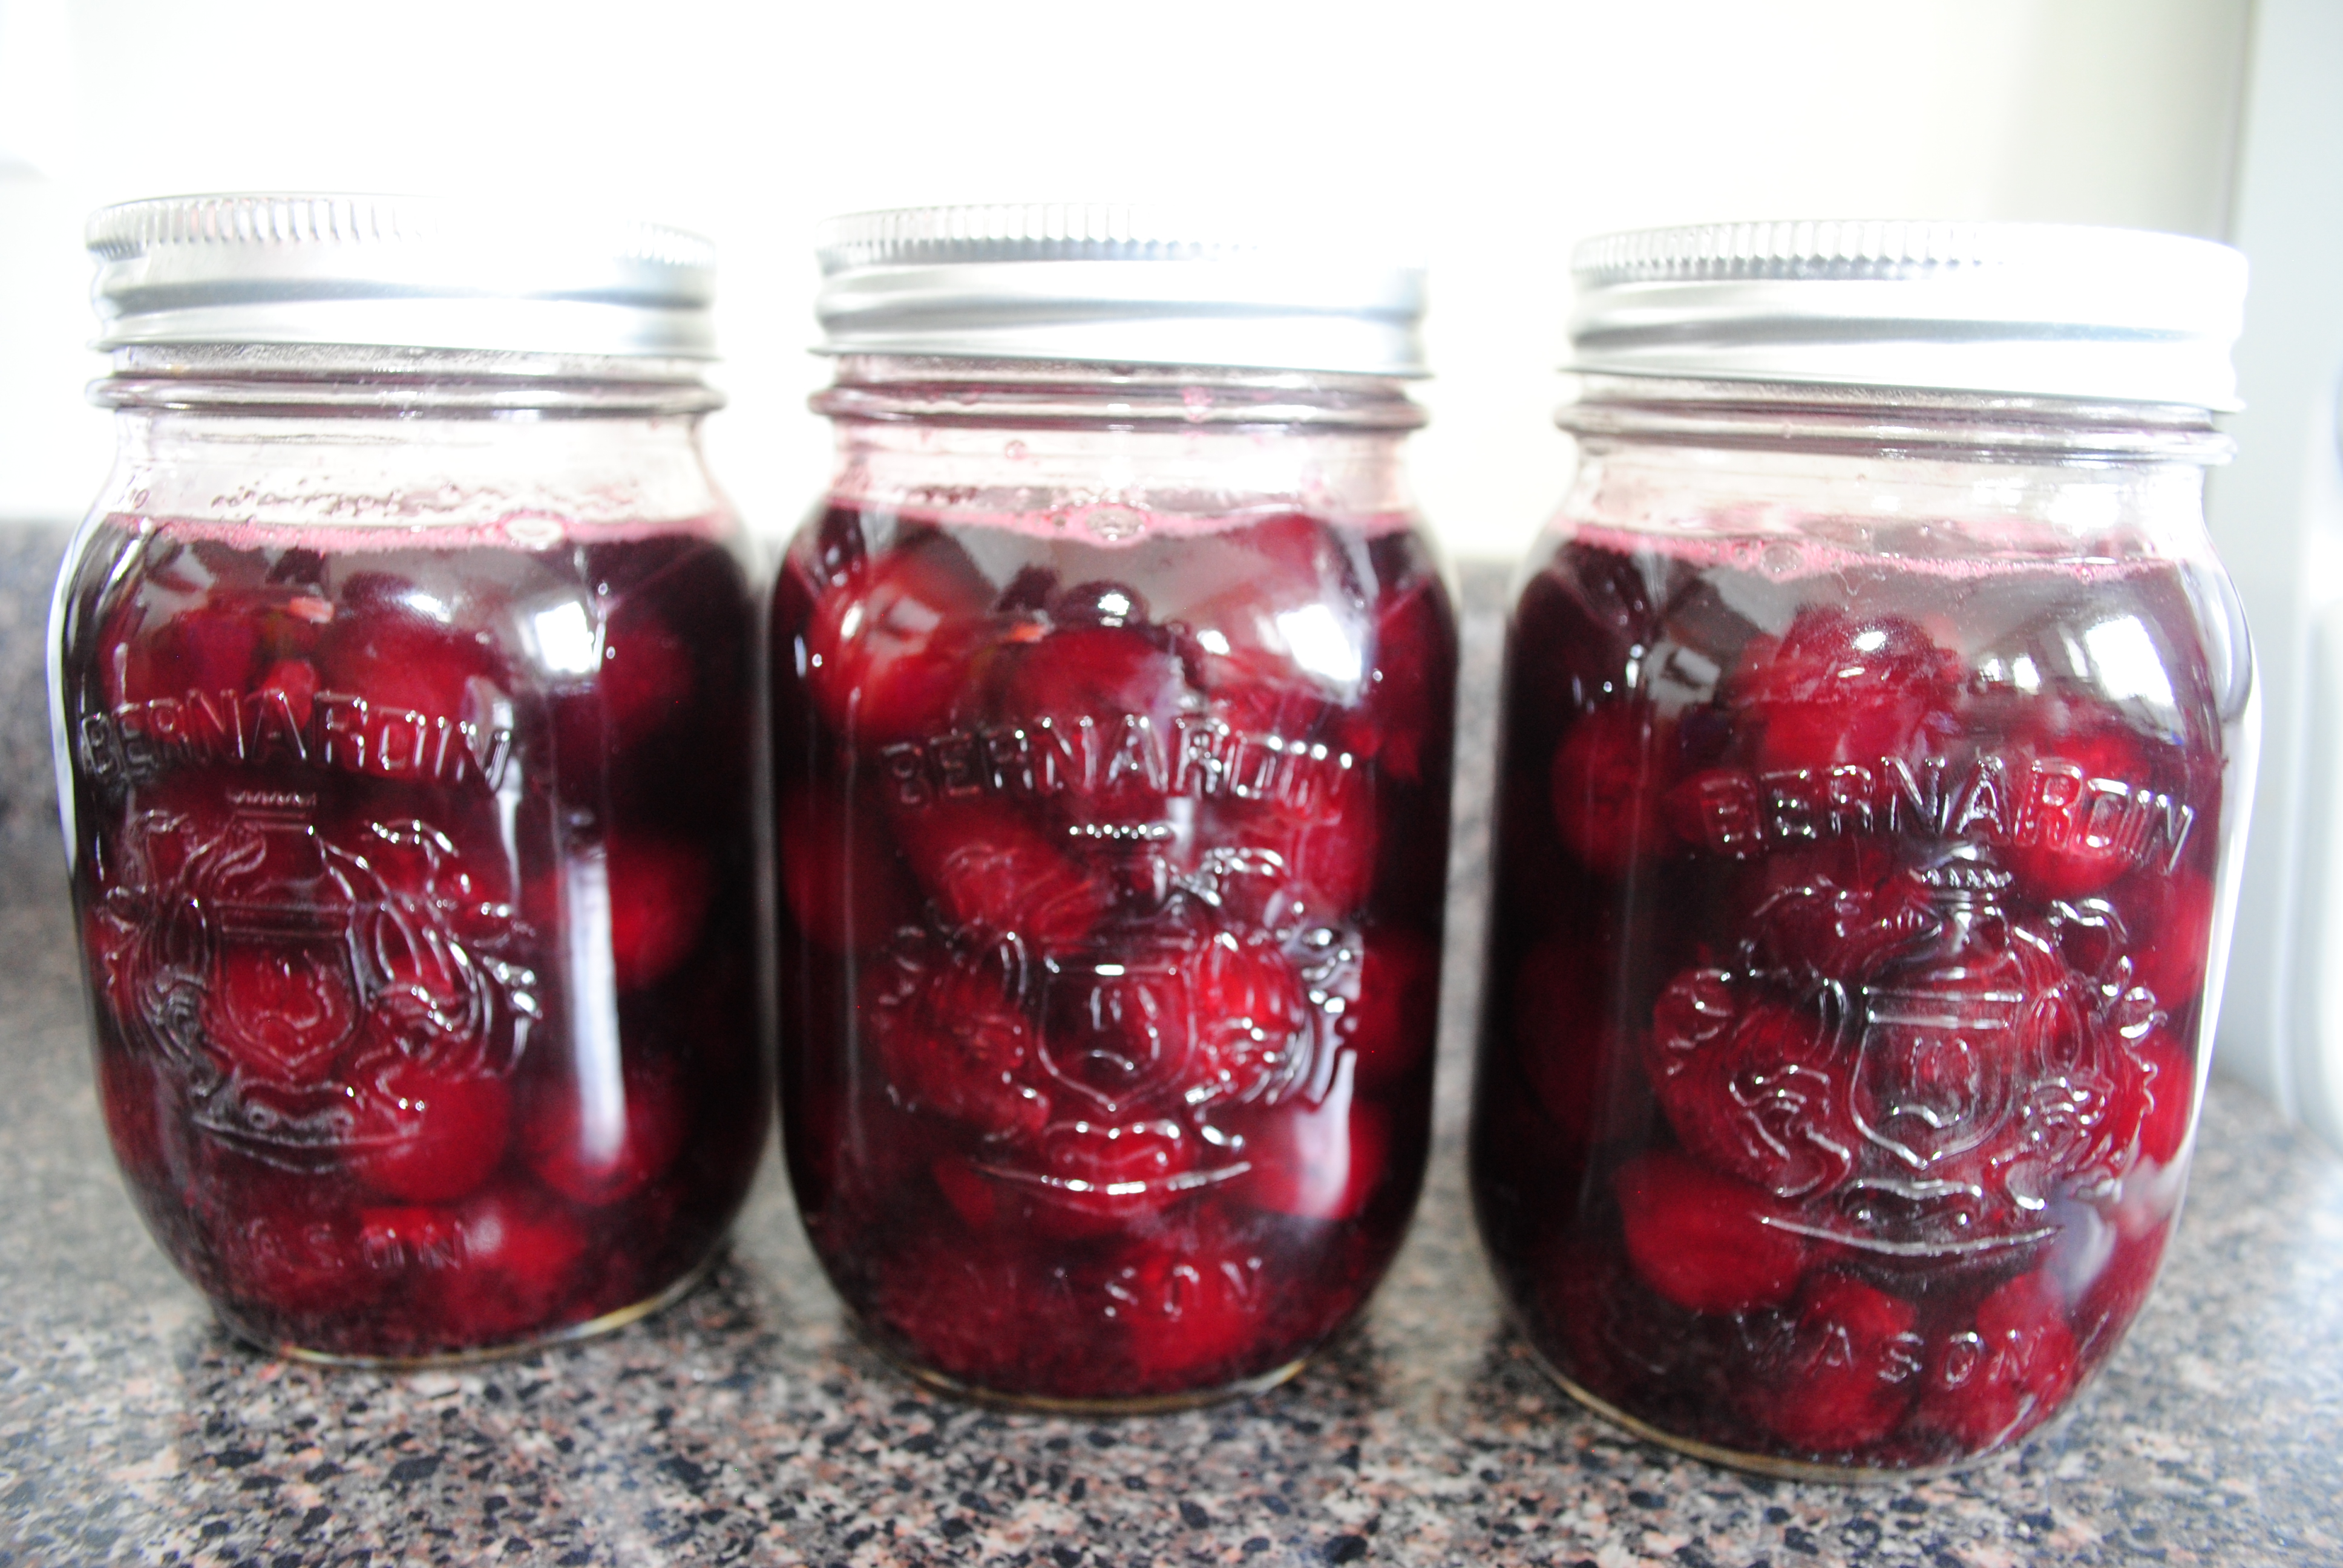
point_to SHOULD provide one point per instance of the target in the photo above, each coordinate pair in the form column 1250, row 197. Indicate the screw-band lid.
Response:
column 2027, row 309
column 1116, row 284
column 418, row 272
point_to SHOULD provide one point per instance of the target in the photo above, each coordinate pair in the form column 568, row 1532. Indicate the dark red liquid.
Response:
column 1111, row 883
column 414, row 893
column 1848, row 962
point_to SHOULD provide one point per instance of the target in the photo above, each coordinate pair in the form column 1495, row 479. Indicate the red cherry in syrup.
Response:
column 428, row 1135
column 1389, row 1023
column 1190, row 1299
column 971, row 1306
column 595, row 1146
column 1102, row 675
column 1279, row 641
column 2071, row 848
column 1836, row 909
column 953, row 1040
column 132, row 1096
column 295, row 681
column 1576, row 627
column 288, row 1244
column 646, row 679
column 1842, row 687
column 386, row 646
column 1609, row 774
column 991, row 871
column 1563, row 1032
column 637, row 680
column 1317, row 850
column 1250, row 1019
column 889, row 646
column 524, row 1268
column 840, row 876
column 1290, row 559
column 1994, row 1383
column 1754, row 1086
column 833, row 548
column 1098, row 601
column 1103, row 1176
column 1847, row 1371
column 1322, row 1162
column 2168, row 919
column 2169, row 1086
column 2115, row 1294
column 1098, row 706
column 1412, row 682
column 659, row 891
column 1703, row 1241
column 280, row 1010
column 984, row 1201
column 207, row 650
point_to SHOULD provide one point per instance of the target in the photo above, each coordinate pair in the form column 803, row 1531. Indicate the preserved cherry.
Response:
column 1107, row 1014
column 417, row 899
column 1849, row 960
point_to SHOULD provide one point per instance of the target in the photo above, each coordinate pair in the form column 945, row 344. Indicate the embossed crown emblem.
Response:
column 275, row 969
column 1929, row 1098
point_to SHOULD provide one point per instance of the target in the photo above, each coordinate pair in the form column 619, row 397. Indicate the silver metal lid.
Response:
column 415, row 272
column 2028, row 309
column 1119, row 285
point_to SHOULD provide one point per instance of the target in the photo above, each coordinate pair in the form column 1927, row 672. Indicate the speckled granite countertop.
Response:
column 743, row 1425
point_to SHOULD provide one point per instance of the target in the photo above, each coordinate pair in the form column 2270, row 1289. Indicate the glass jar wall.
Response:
column 1874, row 763
column 403, row 701
column 1112, row 720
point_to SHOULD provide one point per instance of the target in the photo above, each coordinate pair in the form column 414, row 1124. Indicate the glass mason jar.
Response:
column 403, row 698
column 1112, row 711
column 1875, row 757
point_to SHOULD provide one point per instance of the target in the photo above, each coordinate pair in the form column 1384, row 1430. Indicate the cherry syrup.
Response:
column 416, row 897
column 1847, row 971
column 1111, row 878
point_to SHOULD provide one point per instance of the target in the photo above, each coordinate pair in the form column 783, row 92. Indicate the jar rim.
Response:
column 1849, row 417
column 1074, row 393
column 309, row 377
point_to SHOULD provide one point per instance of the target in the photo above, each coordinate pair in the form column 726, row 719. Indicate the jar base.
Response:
column 1757, row 1464
column 593, row 1328
column 1053, row 1404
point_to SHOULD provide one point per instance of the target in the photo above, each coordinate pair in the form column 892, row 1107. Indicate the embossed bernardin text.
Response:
column 1196, row 754
column 134, row 742
column 1990, row 798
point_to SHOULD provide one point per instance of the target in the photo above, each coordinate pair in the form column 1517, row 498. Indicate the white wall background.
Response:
column 1502, row 132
